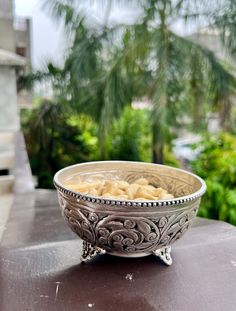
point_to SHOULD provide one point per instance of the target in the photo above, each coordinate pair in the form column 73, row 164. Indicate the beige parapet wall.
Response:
column 5, row 207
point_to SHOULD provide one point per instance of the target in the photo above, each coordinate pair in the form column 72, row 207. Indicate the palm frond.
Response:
column 226, row 23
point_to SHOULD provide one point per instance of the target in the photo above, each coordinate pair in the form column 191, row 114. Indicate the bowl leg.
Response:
column 164, row 254
column 89, row 251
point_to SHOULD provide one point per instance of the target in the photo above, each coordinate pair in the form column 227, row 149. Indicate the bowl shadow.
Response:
column 109, row 283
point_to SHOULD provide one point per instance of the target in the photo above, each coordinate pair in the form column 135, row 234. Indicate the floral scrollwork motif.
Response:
column 81, row 224
column 126, row 235
column 174, row 226
column 119, row 234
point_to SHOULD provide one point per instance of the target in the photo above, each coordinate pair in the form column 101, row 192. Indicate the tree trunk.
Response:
column 102, row 144
column 160, row 115
column 225, row 113
column 196, row 87
column 196, row 105
column 196, row 115
column 157, row 146
column 157, row 153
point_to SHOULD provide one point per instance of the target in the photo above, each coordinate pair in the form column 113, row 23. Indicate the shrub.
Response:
column 217, row 165
column 55, row 140
column 130, row 137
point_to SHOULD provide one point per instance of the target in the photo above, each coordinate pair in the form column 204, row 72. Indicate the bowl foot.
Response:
column 89, row 251
column 164, row 254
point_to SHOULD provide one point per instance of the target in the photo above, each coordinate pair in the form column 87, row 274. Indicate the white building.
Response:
column 13, row 160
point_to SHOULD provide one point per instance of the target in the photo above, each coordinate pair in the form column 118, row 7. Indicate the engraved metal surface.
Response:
column 164, row 254
column 185, row 186
column 133, row 230
column 89, row 251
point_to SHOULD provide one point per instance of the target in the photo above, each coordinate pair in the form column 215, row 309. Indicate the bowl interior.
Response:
column 178, row 182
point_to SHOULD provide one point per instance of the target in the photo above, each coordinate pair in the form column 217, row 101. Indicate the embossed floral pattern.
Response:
column 128, row 234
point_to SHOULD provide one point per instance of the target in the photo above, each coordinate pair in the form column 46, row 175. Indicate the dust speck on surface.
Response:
column 57, row 289
column 129, row 277
column 233, row 262
column 90, row 305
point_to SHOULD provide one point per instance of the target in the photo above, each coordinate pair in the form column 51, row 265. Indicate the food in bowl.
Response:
column 140, row 189
column 129, row 227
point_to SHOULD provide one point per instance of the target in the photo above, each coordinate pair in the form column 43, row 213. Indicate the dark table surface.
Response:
column 40, row 268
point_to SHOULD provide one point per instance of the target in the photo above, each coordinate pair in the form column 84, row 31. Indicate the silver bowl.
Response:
column 130, row 228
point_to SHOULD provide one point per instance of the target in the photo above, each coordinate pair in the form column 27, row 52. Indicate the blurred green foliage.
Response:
column 130, row 137
column 216, row 164
column 107, row 67
column 55, row 142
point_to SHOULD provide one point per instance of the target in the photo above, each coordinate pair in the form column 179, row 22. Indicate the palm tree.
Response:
column 177, row 61
column 108, row 66
column 225, row 22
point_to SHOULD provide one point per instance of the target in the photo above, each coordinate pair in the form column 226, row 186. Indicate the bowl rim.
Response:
column 147, row 203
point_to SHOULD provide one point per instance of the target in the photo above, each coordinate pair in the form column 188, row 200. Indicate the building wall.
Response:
column 7, row 35
column 7, row 39
column 211, row 42
column 6, row 8
column 9, row 119
column 22, row 29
